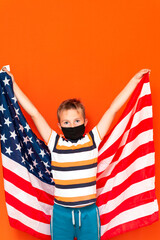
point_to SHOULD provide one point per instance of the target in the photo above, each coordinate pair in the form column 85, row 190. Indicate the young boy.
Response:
column 74, row 162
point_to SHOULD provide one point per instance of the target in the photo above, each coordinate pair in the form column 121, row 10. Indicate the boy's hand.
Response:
column 138, row 76
column 5, row 70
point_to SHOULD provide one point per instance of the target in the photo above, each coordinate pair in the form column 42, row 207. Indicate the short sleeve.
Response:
column 51, row 140
column 97, row 137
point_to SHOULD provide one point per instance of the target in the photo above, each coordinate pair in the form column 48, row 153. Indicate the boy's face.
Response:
column 71, row 118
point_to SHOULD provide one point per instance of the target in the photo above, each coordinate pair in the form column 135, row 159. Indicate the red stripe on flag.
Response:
column 136, row 177
column 27, row 187
column 20, row 226
column 27, row 210
column 139, row 152
column 132, row 202
column 131, row 225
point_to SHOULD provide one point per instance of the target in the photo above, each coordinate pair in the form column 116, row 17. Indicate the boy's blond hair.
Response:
column 72, row 103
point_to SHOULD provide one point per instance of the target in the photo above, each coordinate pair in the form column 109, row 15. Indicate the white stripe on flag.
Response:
column 130, row 215
column 38, row 226
column 142, row 138
column 134, row 189
column 120, row 127
column 22, row 172
column 26, row 198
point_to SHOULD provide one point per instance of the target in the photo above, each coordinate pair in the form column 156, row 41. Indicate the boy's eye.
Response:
column 77, row 121
column 65, row 122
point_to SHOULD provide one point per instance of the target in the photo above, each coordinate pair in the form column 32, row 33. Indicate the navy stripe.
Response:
column 74, row 168
column 84, row 149
column 75, row 203
column 75, row 185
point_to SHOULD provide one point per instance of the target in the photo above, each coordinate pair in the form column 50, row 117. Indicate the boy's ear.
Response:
column 85, row 122
column 59, row 126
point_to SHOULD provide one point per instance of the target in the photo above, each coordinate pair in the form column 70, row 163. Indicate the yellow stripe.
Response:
column 88, row 144
column 75, row 199
column 75, row 181
column 71, row 164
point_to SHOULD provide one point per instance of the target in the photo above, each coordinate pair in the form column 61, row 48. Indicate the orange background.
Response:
column 88, row 49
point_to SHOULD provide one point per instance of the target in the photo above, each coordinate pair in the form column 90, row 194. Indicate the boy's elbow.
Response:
column 35, row 113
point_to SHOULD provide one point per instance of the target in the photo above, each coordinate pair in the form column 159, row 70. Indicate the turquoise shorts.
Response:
column 82, row 223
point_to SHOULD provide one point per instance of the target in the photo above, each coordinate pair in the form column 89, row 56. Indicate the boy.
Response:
column 74, row 162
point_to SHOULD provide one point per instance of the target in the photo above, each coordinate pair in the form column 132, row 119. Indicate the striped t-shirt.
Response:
column 74, row 168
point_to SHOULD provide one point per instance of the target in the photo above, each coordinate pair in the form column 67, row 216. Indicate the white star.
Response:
column 2, row 108
column 21, row 127
column 46, row 164
column 3, row 138
column 6, row 81
column 31, row 168
column 26, row 156
column 26, row 139
column 40, row 174
column 8, row 150
column 7, row 121
column 27, row 127
column 52, row 180
column 38, row 141
column 30, row 139
column 35, row 163
column 47, row 171
column 13, row 134
column 23, row 160
column 30, row 151
column 17, row 109
column 18, row 147
column 16, row 116
column 15, row 99
column 42, row 153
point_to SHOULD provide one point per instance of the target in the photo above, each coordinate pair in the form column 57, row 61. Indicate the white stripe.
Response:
column 130, row 215
column 120, row 177
column 82, row 141
column 120, row 127
column 26, row 198
column 143, row 114
column 38, row 226
column 77, row 174
column 133, row 190
column 22, row 172
column 142, row 138
column 75, row 157
column 75, row 192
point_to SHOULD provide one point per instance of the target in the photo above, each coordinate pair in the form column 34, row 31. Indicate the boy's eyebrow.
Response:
column 66, row 120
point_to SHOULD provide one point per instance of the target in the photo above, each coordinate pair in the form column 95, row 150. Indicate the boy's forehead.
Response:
column 69, row 113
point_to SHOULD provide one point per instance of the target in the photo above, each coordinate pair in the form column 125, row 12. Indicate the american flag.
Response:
column 125, row 178
column 126, row 169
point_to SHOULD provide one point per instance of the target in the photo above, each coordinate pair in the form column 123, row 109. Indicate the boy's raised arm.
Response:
column 118, row 102
column 41, row 124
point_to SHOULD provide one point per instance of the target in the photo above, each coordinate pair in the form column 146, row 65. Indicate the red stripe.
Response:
column 27, row 187
column 132, row 225
column 132, row 202
column 126, row 162
column 20, row 226
column 134, row 178
column 142, row 102
column 27, row 210
column 143, row 126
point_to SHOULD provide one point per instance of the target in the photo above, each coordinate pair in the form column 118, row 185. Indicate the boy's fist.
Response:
column 138, row 76
column 10, row 74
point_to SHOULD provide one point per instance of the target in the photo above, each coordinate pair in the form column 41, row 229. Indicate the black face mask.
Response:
column 73, row 133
